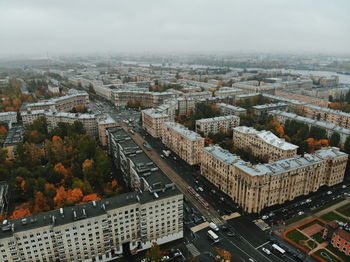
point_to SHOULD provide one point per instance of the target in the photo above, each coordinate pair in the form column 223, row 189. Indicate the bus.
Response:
column 213, row 236
column 279, row 250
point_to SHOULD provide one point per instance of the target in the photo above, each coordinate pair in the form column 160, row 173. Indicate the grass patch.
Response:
column 311, row 223
column 311, row 244
column 295, row 219
column 328, row 205
column 345, row 210
column 318, row 237
column 328, row 217
column 331, row 257
column 296, row 236
column 338, row 253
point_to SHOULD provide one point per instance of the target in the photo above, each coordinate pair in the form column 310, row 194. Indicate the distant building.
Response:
column 303, row 98
column 216, row 124
column 184, row 142
column 3, row 196
column 263, row 144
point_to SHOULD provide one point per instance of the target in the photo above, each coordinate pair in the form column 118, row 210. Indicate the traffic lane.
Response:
column 248, row 230
column 275, row 255
column 205, row 244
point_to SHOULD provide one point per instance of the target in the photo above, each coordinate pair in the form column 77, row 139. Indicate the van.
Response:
column 213, row 226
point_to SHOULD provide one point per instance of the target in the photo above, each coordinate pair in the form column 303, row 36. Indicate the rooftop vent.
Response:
column 94, row 203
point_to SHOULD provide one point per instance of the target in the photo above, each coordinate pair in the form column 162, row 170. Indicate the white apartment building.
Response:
column 184, row 142
column 255, row 187
column 8, row 117
column 226, row 109
column 216, row 124
column 263, row 144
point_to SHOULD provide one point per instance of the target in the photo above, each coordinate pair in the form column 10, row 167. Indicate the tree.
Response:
column 61, row 196
column 40, row 203
column 154, row 254
column 21, row 212
column 90, row 197
column 223, row 254
column 334, row 139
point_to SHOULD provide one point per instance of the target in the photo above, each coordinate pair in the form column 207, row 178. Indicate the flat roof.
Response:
column 182, row 130
column 218, row 118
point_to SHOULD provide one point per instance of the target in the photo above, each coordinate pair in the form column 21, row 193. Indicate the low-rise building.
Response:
column 8, row 118
column 184, row 142
column 263, row 144
column 226, row 109
column 216, row 124
column 255, row 187
column 264, row 109
column 338, row 236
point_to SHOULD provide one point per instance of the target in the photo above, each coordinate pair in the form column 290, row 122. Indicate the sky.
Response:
column 174, row 26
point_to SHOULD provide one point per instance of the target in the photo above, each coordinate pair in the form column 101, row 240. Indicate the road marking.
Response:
column 262, row 245
column 193, row 250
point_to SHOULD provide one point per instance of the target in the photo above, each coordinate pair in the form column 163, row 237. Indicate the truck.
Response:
column 213, row 226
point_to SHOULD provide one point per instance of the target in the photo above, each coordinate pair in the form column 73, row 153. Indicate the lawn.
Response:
column 318, row 237
column 311, row 244
column 345, row 210
column 332, row 258
column 296, row 236
column 311, row 223
column 338, row 253
column 328, row 217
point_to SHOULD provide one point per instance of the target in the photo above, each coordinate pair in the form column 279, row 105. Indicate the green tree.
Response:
column 154, row 254
column 335, row 139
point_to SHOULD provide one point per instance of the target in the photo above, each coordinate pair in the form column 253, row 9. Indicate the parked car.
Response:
column 266, row 251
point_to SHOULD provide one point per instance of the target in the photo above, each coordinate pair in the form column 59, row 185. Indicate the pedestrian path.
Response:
column 193, row 250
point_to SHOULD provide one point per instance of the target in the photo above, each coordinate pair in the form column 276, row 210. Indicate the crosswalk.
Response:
column 193, row 250
column 217, row 221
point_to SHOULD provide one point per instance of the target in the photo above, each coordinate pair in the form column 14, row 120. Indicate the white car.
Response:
column 300, row 213
column 265, row 217
column 329, row 192
column 266, row 251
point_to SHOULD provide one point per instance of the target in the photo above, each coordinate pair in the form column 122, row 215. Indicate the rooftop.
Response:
column 267, row 137
column 182, row 130
column 219, row 118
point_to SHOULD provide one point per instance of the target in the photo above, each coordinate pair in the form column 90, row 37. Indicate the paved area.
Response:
column 199, row 227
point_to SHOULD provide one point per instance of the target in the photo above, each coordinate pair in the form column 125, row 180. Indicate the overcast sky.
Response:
column 170, row 26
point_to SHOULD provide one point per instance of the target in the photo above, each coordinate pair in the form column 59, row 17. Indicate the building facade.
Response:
column 217, row 124
column 152, row 121
column 226, row 109
column 255, row 187
column 184, row 142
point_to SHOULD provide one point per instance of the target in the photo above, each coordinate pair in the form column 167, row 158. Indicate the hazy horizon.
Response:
column 162, row 26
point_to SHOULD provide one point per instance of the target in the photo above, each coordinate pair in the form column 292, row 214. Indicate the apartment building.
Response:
column 228, row 91
column 198, row 95
column 226, row 109
column 102, row 230
column 327, row 115
column 103, row 123
column 148, row 99
column 282, row 117
column 8, row 117
column 303, row 98
column 263, row 144
column 63, row 103
column 152, row 121
column 259, row 110
column 53, row 117
column 184, row 142
column 217, row 124
column 255, row 187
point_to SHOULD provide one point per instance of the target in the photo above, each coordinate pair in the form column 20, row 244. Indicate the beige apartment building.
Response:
column 303, row 98
column 103, row 123
column 255, row 187
column 152, row 121
column 53, row 117
column 328, row 115
column 63, row 103
column 263, row 144
column 184, row 142
column 217, row 124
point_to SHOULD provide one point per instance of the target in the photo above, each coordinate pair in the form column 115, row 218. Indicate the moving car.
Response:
column 266, row 251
